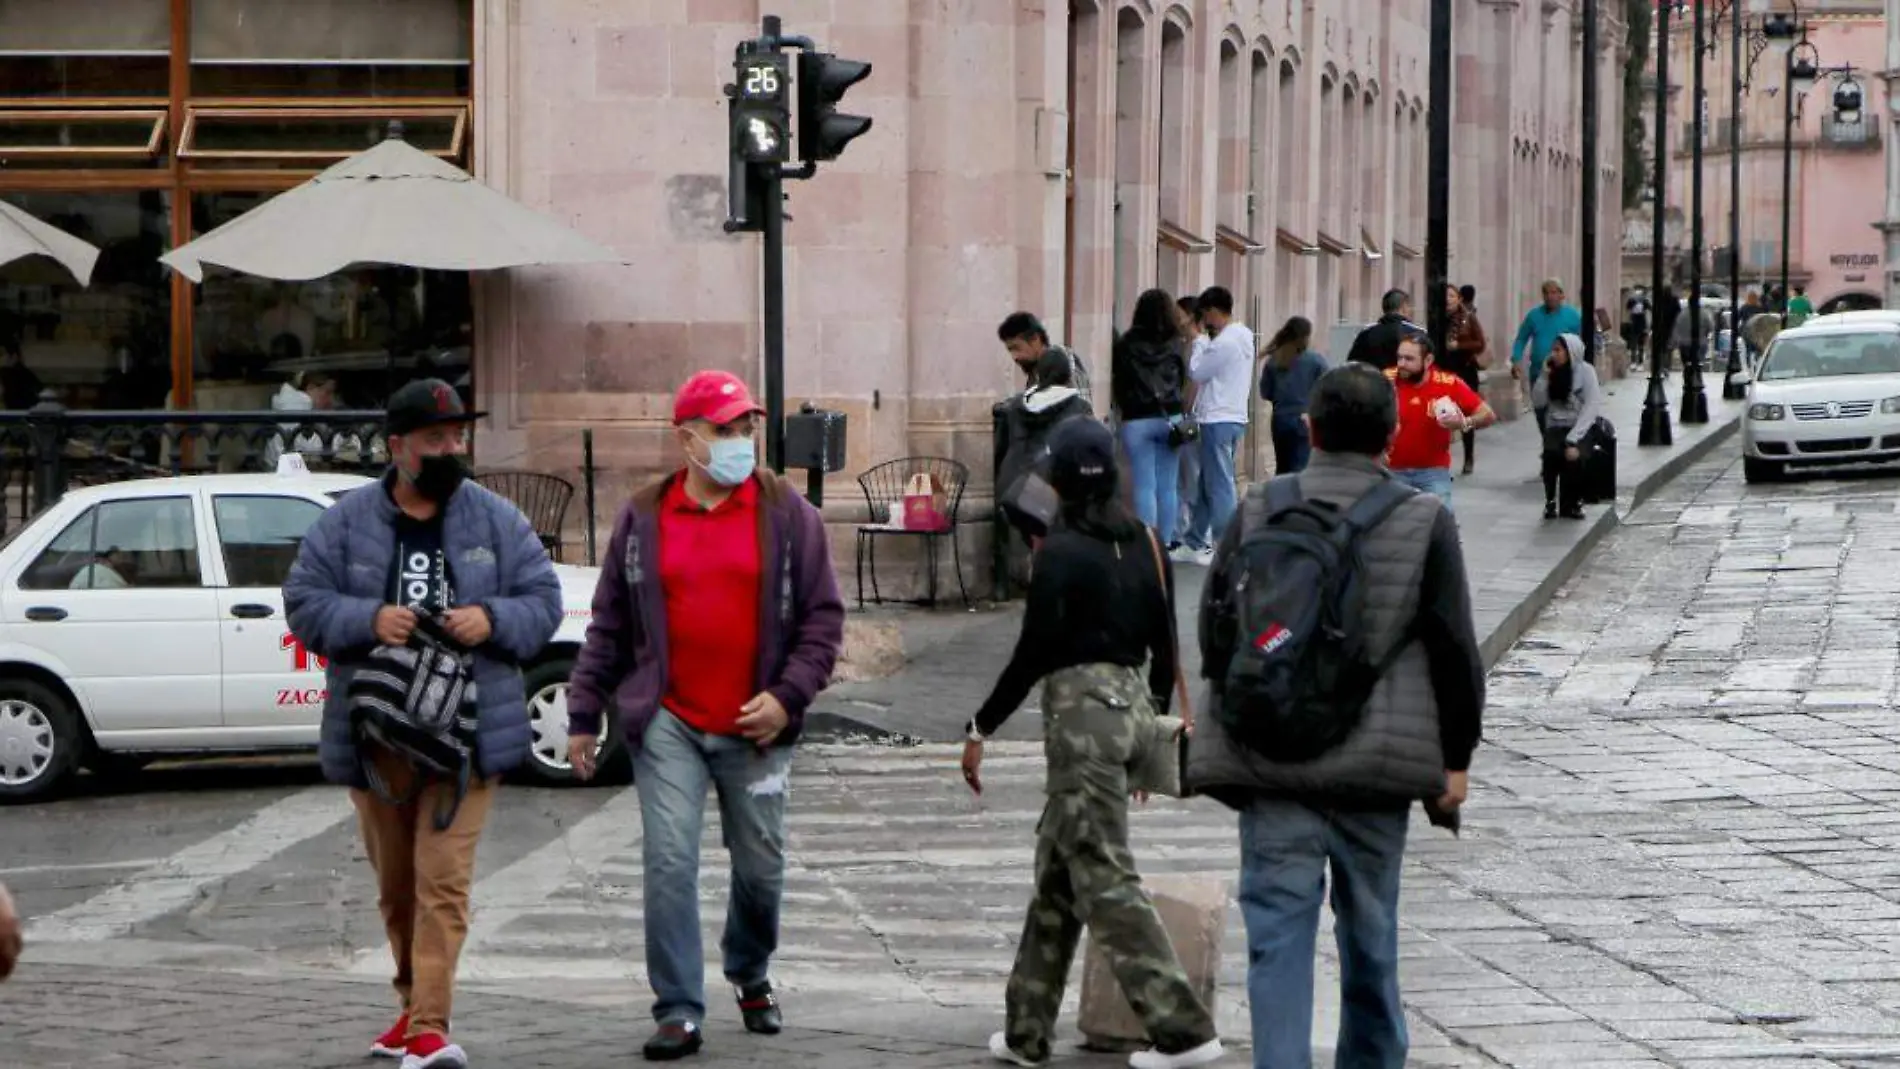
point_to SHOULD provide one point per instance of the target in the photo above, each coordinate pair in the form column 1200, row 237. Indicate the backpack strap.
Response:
column 1377, row 503
column 1282, row 493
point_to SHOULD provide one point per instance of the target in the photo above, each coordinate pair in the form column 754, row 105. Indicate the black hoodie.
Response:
column 1148, row 377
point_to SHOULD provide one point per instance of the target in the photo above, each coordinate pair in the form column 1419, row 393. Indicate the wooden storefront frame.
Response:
column 180, row 177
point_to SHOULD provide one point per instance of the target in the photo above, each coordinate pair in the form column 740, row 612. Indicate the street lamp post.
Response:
column 1438, row 177
column 1587, row 230
column 1695, row 403
column 1774, row 30
column 1655, row 428
column 1732, row 387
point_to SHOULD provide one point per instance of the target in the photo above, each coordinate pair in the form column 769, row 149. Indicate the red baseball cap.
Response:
column 718, row 397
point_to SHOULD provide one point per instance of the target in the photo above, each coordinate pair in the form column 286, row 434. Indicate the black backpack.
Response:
column 1301, row 673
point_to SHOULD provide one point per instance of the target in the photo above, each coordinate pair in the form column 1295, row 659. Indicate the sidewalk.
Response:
column 1516, row 559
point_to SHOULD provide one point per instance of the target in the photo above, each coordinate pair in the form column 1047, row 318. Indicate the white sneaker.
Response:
column 1000, row 1050
column 1204, row 557
column 1204, row 1054
column 1182, row 554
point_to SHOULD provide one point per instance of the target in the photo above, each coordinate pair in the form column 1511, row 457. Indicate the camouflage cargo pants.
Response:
column 1096, row 720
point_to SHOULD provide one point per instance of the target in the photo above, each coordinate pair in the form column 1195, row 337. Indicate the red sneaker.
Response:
column 434, row 1051
column 393, row 1043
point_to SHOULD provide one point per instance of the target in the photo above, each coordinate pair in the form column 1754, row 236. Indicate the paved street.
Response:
column 1680, row 852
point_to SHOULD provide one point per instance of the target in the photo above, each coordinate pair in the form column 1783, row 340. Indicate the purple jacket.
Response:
column 801, row 626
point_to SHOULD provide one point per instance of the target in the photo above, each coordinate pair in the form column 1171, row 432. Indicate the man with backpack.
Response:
column 426, row 593
column 1345, row 685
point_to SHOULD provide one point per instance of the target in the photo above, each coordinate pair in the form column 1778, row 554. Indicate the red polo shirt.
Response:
column 1421, row 442
column 709, row 572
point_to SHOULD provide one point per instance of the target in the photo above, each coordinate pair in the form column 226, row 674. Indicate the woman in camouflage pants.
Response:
column 1101, row 604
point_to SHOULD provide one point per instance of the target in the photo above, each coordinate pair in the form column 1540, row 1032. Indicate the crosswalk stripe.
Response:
column 177, row 880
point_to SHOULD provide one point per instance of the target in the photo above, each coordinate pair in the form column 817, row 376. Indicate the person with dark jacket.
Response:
column 1378, row 344
column 1286, row 383
column 717, row 621
column 1101, row 607
column 424, row 542
column 1348, row 808
column 1147, row 379
column 1028, row 421
column 1465, row 355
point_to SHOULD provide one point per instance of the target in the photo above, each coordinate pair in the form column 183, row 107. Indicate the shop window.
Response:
column 331, row 48
column 107, row 345
column 97, row 49
column 87, row 137
column 310, row 136
column 368, row 329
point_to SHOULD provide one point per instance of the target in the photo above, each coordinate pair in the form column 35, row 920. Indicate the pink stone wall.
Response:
column 988, row 185
column 1838, row 192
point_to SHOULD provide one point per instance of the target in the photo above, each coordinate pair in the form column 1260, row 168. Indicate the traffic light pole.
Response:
column 773, row 300
column 760, row 127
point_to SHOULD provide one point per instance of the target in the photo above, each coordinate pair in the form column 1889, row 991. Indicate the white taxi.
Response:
column 145, row 619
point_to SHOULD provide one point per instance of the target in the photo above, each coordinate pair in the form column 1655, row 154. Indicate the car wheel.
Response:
column 1762, row 471
column 40, row 739
column 546, row 687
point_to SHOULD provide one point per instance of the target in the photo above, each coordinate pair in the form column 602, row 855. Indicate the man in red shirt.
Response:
column 716, row 621
column 1434, row 405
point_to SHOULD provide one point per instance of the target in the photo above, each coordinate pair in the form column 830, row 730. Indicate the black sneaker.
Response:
column 674, row 1040
column 1550, row 510
column 760, row 1009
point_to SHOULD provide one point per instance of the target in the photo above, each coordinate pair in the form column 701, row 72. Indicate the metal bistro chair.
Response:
column 541, row 497
column 883, row 488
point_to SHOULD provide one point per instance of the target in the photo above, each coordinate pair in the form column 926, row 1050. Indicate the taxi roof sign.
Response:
column 291, row 464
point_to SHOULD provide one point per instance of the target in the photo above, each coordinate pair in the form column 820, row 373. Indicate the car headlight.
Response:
column 1771, row 412
column 1890, row 407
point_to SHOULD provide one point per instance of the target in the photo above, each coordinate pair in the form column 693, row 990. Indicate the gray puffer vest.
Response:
column 1394, row 756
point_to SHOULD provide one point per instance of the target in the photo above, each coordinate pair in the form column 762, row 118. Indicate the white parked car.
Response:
column 146, row 618
column 1826, row 392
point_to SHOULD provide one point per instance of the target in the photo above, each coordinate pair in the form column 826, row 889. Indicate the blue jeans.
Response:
column 1154, row 470
column 1286, row 849
column 1217, row 498
column 676, row 766
column 1427, row 481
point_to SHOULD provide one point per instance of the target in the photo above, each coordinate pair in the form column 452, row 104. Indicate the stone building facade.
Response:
column 1058, row 157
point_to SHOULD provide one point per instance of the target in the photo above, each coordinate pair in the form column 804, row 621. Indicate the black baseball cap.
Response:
column 425, row 403
column 1081, row 455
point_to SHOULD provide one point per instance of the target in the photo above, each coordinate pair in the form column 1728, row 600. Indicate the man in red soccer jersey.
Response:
column 1434, row 406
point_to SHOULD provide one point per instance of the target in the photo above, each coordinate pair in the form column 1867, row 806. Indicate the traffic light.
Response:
column 761, row 108
column 822, row 81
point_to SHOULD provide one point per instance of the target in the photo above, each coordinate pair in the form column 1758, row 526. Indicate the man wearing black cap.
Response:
column 424, row 543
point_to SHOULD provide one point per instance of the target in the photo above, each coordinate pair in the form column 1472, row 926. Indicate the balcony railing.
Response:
column 1863, row 132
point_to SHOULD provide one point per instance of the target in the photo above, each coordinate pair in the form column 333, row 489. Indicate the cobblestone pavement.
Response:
column 1680, row 852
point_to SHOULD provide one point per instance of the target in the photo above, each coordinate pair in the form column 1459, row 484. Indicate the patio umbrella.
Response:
column 30, row 244
column 391, row 205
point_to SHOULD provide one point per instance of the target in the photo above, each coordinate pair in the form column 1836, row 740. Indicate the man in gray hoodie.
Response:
column 1347, row 809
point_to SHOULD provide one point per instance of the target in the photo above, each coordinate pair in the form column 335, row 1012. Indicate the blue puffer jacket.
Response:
column 342, row 577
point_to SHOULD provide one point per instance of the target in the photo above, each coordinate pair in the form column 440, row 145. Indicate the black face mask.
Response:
column 438, row 477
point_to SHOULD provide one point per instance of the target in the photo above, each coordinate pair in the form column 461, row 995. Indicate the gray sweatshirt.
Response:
column 1580, row 410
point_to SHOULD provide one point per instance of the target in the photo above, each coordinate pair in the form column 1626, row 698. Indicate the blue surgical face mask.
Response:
column 730, row 461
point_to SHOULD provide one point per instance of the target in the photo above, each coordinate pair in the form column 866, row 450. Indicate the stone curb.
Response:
column 1512, row 627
